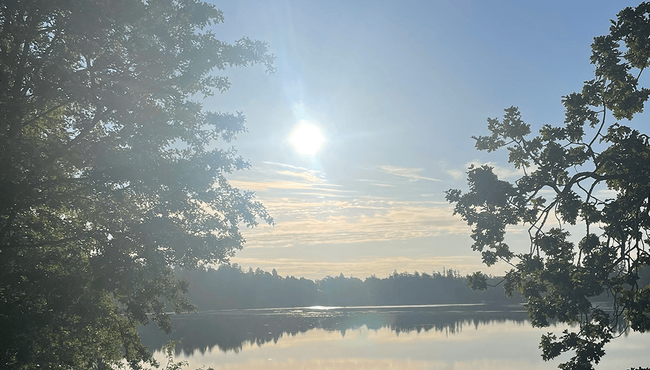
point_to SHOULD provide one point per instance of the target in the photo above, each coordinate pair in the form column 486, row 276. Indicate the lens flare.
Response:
column 307, row 138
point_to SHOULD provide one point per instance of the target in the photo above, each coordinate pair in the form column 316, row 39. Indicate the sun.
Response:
column 307, row 138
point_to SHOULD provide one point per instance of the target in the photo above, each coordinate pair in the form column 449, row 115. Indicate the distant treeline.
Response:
column 229, row 287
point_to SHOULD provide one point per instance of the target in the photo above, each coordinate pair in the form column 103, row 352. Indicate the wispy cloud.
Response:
column 376, row 183
column 412, row 174
column 310, row 210
column 266, row 185
column 309, row 176
column 287, row 166
column 280, row 176
column 344, row 222
column 367, row 266
column 456, row 174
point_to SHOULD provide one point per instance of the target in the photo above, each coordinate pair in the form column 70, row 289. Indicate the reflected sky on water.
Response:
column 425, row 337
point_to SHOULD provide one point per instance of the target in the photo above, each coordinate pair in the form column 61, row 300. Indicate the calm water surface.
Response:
column 399, row 337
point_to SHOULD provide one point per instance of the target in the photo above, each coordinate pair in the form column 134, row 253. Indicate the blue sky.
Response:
column 397, row 88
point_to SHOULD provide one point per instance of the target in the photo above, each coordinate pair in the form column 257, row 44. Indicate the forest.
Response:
column 229, row 287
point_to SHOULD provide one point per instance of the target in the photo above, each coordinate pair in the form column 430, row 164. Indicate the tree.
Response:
column 110, row 172
column 592, row 172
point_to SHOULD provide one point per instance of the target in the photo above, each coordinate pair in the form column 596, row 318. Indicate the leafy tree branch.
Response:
column 562, row 276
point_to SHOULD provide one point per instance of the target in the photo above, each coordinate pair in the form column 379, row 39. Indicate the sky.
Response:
column 396, row 89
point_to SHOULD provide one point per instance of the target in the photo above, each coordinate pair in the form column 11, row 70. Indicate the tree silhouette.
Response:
column 230, row 288
column 109, row 175
column 591, row 172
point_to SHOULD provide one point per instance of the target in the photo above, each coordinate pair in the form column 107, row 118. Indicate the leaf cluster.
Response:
column 587, row 175
column 110, row 172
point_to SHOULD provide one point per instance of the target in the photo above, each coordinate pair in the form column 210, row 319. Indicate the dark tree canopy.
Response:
column 566, row 169
column 109, row 172
column 228, row 287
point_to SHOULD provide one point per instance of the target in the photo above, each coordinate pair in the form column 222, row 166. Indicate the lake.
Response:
column 476, row 337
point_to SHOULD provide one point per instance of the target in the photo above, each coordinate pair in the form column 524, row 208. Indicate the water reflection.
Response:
column 233, row 330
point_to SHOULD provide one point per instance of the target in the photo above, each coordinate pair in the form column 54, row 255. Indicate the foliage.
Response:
column 230, row 288
column 110, row 172
column 591, row 173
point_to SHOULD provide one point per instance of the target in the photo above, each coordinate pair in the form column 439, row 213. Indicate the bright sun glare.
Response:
column 307, row 138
